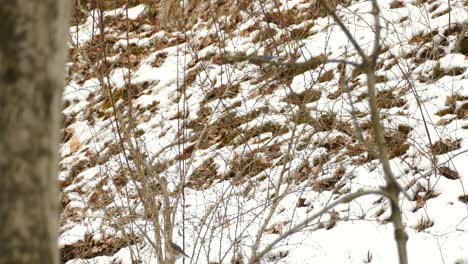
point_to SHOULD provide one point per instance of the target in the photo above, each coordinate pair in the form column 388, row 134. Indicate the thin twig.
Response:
column 299, row 227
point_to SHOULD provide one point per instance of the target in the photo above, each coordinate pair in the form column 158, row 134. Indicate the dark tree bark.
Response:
column 32, row 59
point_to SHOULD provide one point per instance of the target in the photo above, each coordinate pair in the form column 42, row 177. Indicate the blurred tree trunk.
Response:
column 32, row 61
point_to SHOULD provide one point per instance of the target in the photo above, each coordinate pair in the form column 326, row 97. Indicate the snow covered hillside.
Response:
column 197, row 130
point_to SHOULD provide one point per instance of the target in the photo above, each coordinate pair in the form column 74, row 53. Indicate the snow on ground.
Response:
column 263, row 128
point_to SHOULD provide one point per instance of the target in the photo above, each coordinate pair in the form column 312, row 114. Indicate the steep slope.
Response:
column 247, row 149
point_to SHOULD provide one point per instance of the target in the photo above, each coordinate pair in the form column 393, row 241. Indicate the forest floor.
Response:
column 250, row 148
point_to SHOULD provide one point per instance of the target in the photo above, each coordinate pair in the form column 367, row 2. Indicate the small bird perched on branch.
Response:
column 176, row 251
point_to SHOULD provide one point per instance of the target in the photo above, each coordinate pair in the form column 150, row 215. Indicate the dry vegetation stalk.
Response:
column 164, row 213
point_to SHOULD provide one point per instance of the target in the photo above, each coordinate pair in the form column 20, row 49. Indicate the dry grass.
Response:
column 90, row 247
column 225, row 130
column 395, row 140
column 396, row 4
column 203, row 176
column 329, row 184
column 423, row 224
column 387, row 99
column 245, row 166
column 444, row 146
column 421, row 195
column 448, row 173
column 463, row 198
column 223, row 92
